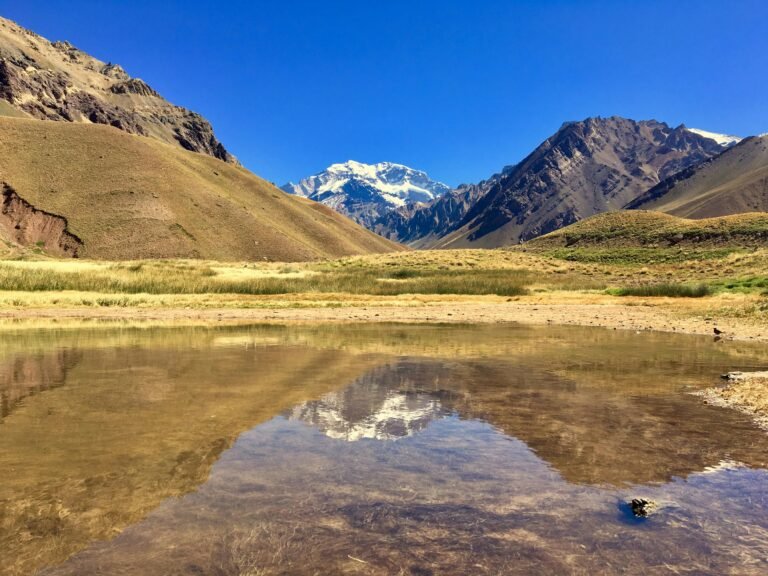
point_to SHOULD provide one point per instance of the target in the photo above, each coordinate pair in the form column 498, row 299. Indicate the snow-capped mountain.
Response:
column 722, row 139
column 364, row 192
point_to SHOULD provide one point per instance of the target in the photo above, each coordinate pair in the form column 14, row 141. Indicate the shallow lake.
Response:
column 388, row 449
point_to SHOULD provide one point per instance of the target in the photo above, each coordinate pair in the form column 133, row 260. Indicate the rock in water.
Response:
column 642, row 508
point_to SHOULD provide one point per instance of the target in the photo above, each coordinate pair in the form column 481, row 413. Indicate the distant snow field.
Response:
column 722, row 139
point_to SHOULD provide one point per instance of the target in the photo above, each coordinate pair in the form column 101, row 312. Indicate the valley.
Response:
column 507, row 335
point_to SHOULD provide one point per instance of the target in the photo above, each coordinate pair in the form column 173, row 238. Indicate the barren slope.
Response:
column 127, row 197
column 736, row 181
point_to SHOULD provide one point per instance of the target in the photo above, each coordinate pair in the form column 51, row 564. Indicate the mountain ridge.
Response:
column 586, row 167
column 56, row 81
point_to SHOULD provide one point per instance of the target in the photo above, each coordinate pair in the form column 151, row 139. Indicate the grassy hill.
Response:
column 734, row 182
column 97, row 192
column 657, row 230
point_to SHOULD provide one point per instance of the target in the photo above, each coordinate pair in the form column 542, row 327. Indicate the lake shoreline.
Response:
column 746, row 392
column 691, row 316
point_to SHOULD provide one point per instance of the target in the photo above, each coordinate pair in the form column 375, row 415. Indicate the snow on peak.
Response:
column 722, row 139
column 385, row 182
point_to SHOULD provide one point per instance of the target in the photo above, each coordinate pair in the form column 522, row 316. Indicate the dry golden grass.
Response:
column 433, row 286
column 132, row 197
column 441, row 272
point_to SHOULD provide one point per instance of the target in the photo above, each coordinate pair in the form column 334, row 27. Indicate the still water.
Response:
column 375, row 450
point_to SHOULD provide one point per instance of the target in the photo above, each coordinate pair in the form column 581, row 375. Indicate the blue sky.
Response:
column 456, row 88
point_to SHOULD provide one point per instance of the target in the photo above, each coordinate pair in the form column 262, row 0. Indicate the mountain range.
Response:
column 56, row 81
column 587, row 167
column 733, row 182
column 365, row 192
column 96, row 163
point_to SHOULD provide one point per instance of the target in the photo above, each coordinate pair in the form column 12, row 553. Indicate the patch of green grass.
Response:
column 668, row 290
column 746, row 285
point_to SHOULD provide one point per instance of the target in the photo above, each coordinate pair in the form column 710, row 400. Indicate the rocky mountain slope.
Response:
column 365, row 192
column 587, row 167
column 76, row 189
column 584, row 169
column 56, row 81
column 420, row 225
column 733, row 182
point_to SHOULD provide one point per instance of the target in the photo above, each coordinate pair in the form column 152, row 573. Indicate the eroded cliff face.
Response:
column 56, row 81
column 23, row 224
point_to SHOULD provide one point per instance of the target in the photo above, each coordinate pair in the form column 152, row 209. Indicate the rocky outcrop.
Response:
column 23, row 224
column 133, row 86
column 56, row 81
column 195, row 134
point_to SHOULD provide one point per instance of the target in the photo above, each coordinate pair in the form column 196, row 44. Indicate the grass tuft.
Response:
column 668, row 290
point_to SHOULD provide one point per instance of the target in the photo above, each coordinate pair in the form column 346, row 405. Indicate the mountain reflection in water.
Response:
column 351, row 450
column 387, row 403
column 595, row 435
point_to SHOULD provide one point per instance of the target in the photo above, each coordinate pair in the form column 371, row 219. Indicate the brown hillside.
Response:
column 126, row 197
column 734, row 182
column 640, row 228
